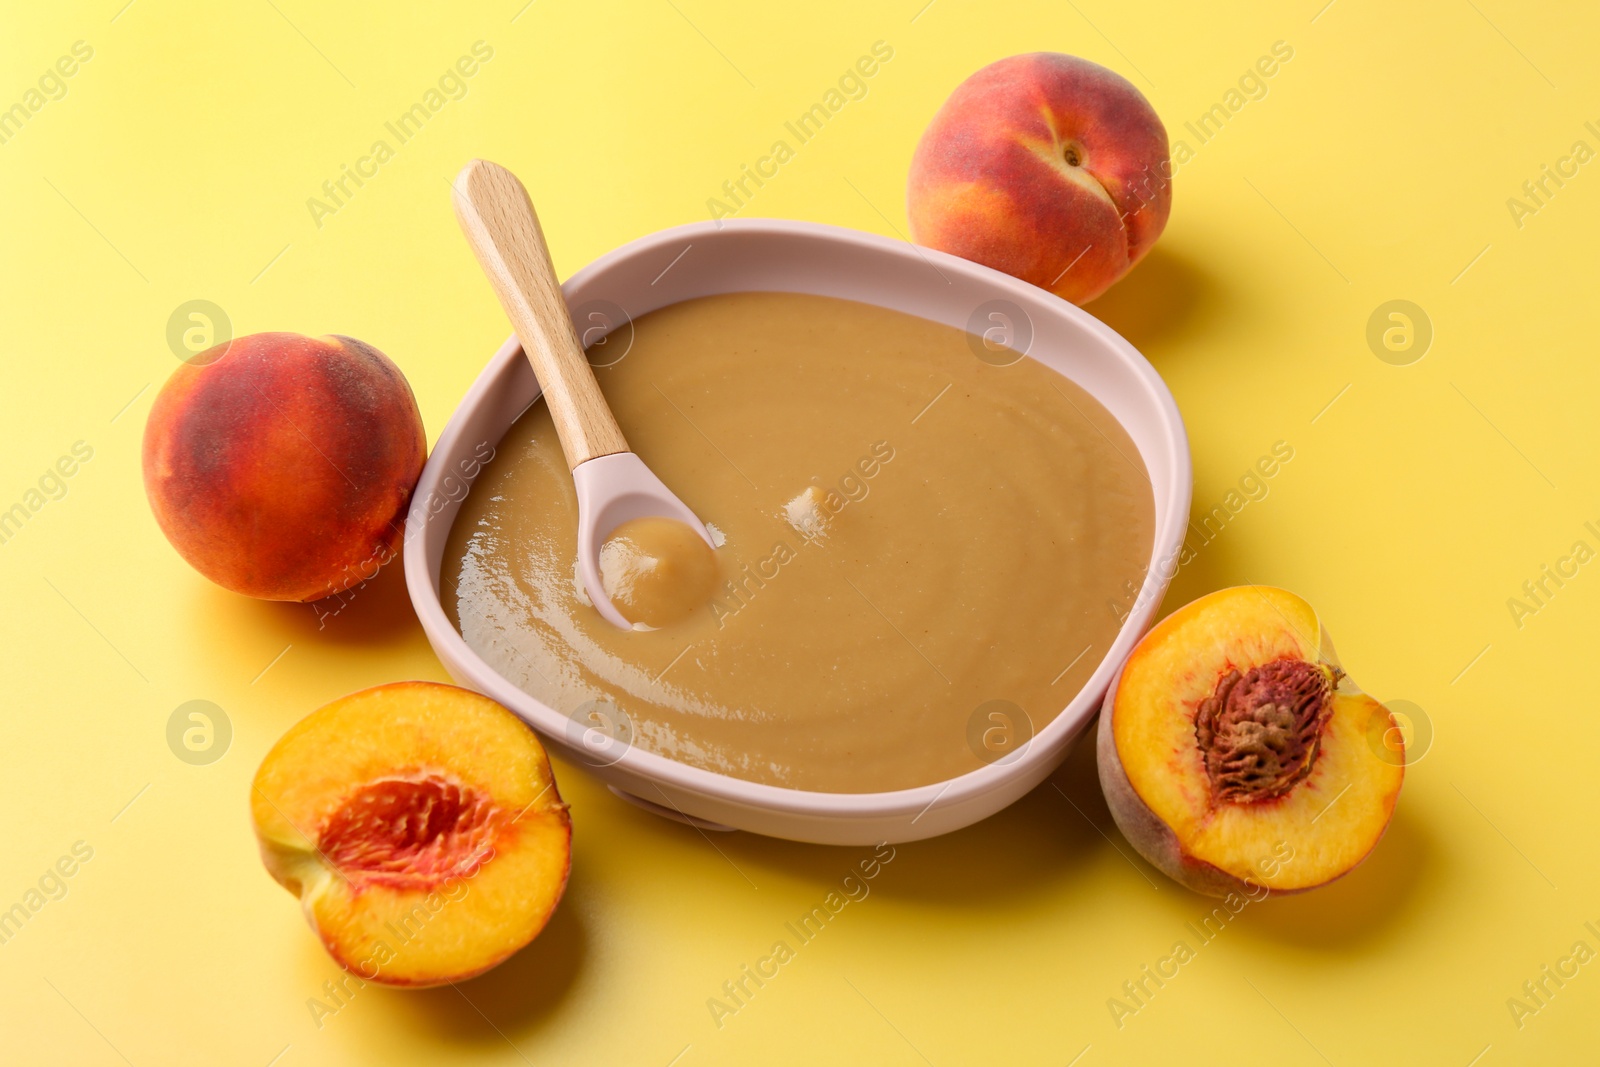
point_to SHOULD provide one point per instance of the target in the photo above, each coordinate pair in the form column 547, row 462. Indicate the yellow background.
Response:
column 1377, row 167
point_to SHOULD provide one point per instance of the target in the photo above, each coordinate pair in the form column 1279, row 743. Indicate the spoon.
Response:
column 613, row 484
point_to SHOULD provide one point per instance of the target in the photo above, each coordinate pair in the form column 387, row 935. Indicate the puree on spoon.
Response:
column 657, row 570
column 911, row 534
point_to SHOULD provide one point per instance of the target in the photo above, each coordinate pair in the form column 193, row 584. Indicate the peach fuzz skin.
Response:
column 1045, row 166
column 280, row 466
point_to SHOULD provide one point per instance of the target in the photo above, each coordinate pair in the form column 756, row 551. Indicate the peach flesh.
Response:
column 1236, row 754
column 421, row 828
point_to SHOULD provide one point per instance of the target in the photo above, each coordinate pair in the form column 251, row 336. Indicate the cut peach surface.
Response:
column 421, row 828
column 1235, row 752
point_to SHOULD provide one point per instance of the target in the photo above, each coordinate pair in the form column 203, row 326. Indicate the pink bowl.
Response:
column 705, row 258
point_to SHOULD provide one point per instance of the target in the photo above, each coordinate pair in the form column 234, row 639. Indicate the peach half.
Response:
column 1236, row 754
column 421, row 828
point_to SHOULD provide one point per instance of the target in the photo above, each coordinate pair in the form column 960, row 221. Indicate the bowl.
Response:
column 702, row 259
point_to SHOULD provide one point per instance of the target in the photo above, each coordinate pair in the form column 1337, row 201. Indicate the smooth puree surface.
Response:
column 919, row 547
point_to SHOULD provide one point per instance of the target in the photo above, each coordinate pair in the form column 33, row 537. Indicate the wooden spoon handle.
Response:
column 498, row 219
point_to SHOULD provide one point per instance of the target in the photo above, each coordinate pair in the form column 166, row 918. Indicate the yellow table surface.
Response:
column 176, row 163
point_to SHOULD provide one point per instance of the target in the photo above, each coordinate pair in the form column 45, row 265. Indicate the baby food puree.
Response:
column 909, row 534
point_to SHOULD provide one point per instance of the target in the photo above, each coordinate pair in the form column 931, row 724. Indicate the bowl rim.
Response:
column 1048, row 743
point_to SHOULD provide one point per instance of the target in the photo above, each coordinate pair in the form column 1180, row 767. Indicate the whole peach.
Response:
column 280, row 466
column 1045, row 166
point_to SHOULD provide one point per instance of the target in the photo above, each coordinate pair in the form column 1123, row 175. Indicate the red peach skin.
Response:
column 281, row 467
column 1045, row 166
